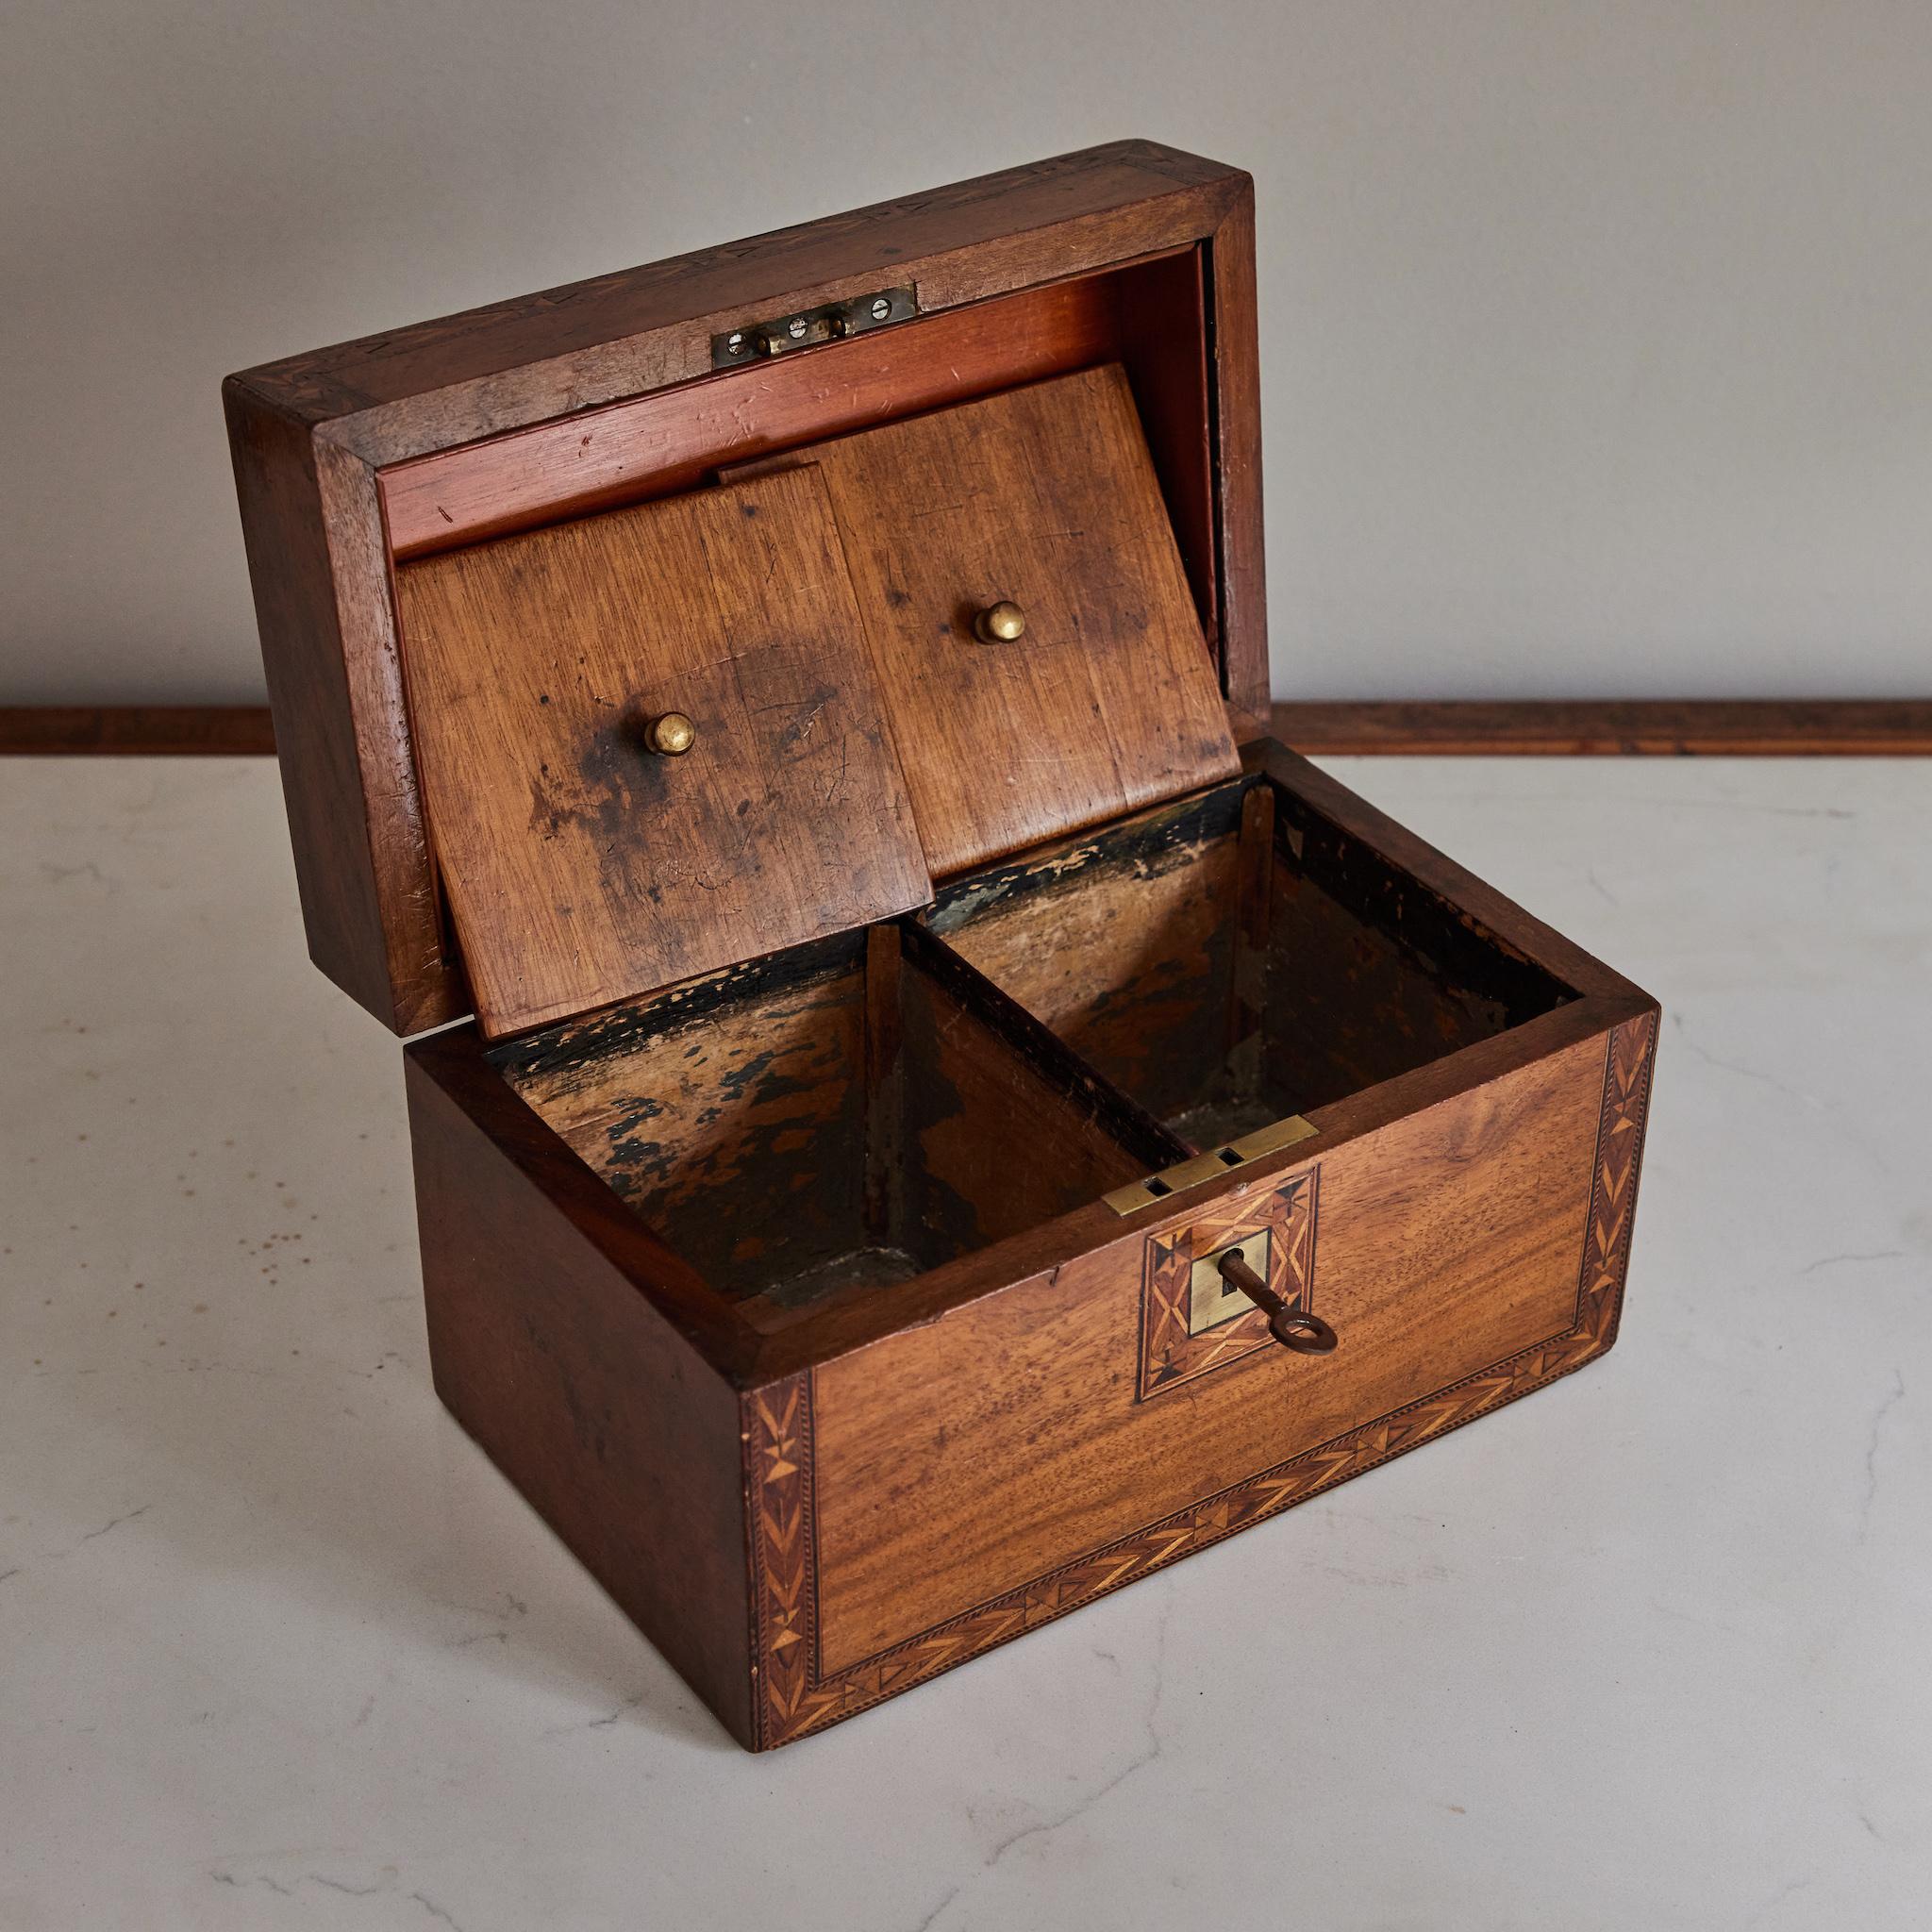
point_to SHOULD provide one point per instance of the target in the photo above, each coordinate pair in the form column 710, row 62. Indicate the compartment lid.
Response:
column 1040, row 504
column 587, row 850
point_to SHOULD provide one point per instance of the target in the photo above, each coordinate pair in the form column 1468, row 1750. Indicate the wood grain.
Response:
column 796, row 1696
column 312, row 433
column 586, row 1393
column 1237, row 387
column 817, row 1472
column 939, row 1464
column 1002, row 1128
column 1173, row 1353
column 581, row 868
column 370, row 903
column 432, row 385
column 1045, row 495
column 1122, row 941
column 1147, row 315
column 728, row 1113
column 1447, row 1243
column 1369, row 970
column 1240, row 957
column 558, row 1318
column 1404, row 869
column 1441, row 896
column 836, row 1114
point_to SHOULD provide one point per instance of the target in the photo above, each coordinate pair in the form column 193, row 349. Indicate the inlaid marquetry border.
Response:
column 792, row 1700
column 778, row 1455
column 1169, row 1355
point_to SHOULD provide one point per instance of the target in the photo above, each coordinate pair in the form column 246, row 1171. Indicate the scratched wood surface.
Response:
column 1045, row 496
column 638, row 1297
column 582, row 868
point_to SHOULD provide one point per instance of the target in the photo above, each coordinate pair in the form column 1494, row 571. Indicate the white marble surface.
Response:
column 1648, row 1650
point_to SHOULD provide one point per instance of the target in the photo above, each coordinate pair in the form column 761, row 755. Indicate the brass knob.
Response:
column 1000, row 624
column 673, row 734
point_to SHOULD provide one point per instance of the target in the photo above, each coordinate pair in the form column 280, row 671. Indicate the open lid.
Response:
column 374, row 473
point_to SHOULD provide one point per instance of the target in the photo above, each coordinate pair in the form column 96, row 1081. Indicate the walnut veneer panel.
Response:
column 1046, row 496
column 597, row 1407
column 582, row 868
column 971, row 1456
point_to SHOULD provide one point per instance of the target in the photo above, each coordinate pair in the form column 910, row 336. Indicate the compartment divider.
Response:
column 1253, row 888
column 1123, row 1120
column 884, row 1122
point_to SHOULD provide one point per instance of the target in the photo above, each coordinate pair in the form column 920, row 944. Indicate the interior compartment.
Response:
column 1236, row 957
column 854, row 1111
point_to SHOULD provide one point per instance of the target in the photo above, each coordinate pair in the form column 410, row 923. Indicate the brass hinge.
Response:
column 802, row 328
column 1204, row 1167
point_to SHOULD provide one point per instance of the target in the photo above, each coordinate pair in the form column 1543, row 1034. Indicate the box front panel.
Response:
column 945, row 1488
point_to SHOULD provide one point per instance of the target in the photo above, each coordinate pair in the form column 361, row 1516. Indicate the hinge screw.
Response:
column 880, row 309
column 735, row 342
column 796, row 329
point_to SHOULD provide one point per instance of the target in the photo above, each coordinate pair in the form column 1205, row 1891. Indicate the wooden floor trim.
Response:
column 1660, row 728
column 1665, row 728
column 171, row 730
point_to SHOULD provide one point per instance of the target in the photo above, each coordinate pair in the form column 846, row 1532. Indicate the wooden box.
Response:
column 955, row 1118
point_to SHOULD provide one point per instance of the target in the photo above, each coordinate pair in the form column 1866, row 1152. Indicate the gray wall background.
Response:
column 1596, row 336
